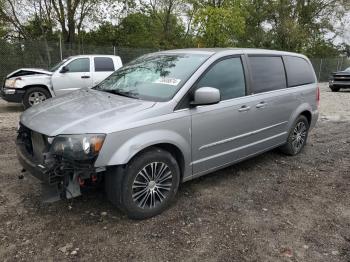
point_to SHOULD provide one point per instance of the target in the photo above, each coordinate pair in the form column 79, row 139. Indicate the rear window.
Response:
column 103, row 64
column 267, row 73
column 299, row 71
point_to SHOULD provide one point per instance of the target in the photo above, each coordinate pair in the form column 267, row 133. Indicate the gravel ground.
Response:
column 269, row 208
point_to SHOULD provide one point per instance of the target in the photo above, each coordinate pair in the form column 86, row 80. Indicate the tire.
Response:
column 34, row 96
column 334, row 88
column 299, row 129
column 143, row 195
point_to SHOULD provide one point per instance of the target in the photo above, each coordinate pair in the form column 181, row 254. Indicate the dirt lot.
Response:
column 270, row 208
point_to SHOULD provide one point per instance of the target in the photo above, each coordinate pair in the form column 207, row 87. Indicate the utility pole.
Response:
column 61, row 55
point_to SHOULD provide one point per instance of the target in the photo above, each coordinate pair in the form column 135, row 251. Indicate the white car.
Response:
column 31, row 86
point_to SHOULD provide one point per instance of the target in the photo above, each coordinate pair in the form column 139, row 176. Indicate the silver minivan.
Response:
column 166, row 118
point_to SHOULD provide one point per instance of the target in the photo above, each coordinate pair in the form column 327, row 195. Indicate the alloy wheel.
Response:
column 36, row 98
column 299, row 136
column 152, row 185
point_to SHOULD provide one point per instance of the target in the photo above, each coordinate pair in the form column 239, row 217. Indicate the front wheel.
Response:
column 147, row 185
column 297, row 137
column 35, row 96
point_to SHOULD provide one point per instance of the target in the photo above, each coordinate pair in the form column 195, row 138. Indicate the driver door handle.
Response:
column 261, row 105
column 244, row 108
column 85, row 77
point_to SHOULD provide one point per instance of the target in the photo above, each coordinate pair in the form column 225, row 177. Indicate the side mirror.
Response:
column 206, row 96
column 64, row 69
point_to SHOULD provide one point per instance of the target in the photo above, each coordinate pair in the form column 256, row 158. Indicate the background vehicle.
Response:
column 32, row 86
column 340, row 79
column 169, row 117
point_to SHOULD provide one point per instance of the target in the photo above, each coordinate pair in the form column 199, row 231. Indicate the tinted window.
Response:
column 79, row 65
column 227, row 76
column 267, row 73
column 299, row 71
column 103, row 64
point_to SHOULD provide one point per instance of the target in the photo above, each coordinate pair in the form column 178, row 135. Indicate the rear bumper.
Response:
column 12, row 95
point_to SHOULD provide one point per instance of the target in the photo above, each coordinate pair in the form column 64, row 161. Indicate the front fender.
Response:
column 136, row 144
column 40, row 80
column 120, row 147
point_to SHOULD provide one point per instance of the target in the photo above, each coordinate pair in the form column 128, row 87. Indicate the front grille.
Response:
column 341, row 78
column 35, row 143
column 39, row 146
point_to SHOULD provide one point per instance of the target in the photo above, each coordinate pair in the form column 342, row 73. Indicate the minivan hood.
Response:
column 82, row 111
column 28, row 71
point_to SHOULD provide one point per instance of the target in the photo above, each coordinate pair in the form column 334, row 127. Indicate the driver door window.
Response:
column 227, row 76
column 79, row 65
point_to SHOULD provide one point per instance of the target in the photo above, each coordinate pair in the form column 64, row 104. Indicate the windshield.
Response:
column 347, row 70
column 55, row 67
column 155, row 77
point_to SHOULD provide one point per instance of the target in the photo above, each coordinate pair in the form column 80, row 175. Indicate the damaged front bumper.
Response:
column 12, row 95
column 61, row 178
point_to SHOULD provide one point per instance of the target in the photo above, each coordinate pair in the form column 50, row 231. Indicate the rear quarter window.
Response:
column 267, row 73
column 299, row 71
column 103, row 64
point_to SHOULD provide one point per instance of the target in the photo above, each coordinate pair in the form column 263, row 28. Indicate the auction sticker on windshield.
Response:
column 167, row 81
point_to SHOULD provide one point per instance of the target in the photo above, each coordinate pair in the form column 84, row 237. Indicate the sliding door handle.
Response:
column 261, row 105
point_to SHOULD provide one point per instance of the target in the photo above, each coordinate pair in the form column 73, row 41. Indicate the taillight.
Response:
column 318, row 96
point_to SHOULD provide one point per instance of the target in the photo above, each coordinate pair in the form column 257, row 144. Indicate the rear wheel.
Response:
column 35, row 96
column 334, row 88
column 146, row 186
column 297, row 137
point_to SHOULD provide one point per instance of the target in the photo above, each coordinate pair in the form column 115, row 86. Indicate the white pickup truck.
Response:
column 31, row 86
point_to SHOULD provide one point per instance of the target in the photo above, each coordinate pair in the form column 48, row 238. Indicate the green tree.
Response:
column 105, row 34
column 138, row 30
column 219, row 23
column 301, row 24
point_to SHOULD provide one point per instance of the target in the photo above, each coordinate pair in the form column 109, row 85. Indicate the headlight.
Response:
column 12, row 83
column 77, row 147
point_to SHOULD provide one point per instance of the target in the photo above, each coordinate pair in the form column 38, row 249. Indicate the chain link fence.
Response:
column 325, row 66
column 41, row 54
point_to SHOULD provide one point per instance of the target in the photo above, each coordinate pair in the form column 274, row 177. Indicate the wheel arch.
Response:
column 308, row 115
column 174, row 150
column 167, row 140
column 305, row 110
column 26, row 87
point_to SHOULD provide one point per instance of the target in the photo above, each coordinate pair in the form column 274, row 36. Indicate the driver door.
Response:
column 78, row 75
column 220, row 132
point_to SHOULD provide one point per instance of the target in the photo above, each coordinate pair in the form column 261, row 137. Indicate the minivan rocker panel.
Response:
column 169, row 117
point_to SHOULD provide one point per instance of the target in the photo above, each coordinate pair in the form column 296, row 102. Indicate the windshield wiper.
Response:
column 129, row 94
